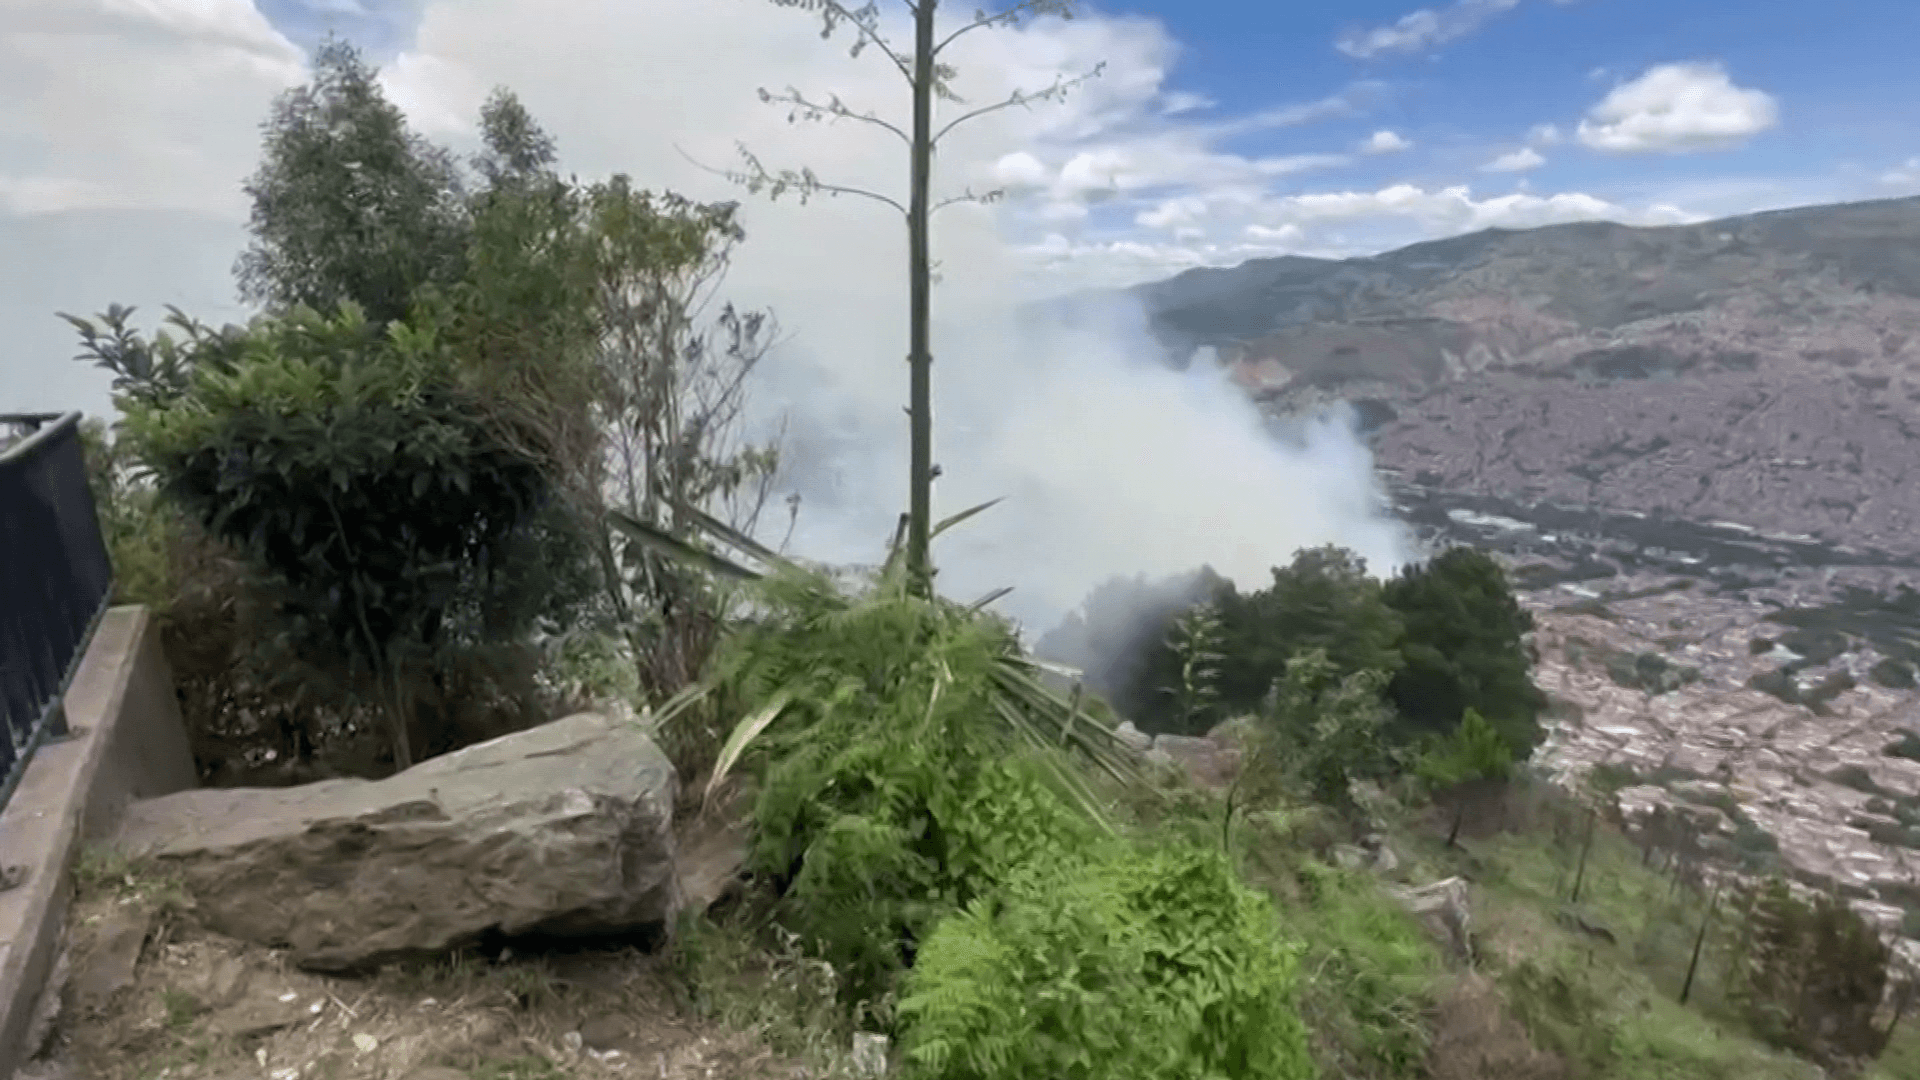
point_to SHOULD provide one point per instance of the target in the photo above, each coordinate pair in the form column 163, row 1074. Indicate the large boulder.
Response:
column 1208, row 763
column 564, row 830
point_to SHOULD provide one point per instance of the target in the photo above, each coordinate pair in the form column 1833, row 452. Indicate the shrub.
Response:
column 1127, row 963
column 902, row 776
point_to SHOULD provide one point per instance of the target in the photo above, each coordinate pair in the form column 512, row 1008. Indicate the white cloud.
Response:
column 1678, row 108
column 1420, row 30
column 1184, row 101
column 185, row 83
column 1454, row 209
column 1545, row 135
column 1020, row 171
column 1522, row 160
column 1385, row 142
column 1174, row 213
column 1904, row 175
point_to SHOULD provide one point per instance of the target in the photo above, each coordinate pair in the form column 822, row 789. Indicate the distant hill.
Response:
column 1762, row 369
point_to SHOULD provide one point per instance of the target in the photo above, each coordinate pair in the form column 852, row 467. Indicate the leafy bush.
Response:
column 349, row 466
column 1125, row 963
column 907, row 764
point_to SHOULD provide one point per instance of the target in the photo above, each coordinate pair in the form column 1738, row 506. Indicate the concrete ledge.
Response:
column 127, row 742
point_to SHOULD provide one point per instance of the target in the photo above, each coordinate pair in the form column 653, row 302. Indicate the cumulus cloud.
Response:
column 1423, row 29
column 1385, row 142
column 1545, row 135
column 1524, row 159
column 1677, row 109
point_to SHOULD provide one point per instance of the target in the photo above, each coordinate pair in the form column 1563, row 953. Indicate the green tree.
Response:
column 1330, row 724
column 1809, row 976
column 1471, row 764
column 1195, row 641
column 928, row 78
column 1463, row 647
column 348, row 203
column 1323, row 600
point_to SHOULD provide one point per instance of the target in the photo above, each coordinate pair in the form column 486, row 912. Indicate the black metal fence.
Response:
column 55, row 581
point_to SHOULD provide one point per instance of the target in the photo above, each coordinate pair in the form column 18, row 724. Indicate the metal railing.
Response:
column 55, row 581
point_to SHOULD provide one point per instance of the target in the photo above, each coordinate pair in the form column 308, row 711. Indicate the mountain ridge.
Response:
column 1762, row 369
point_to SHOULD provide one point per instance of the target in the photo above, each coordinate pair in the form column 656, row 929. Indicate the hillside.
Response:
column 1760, row 369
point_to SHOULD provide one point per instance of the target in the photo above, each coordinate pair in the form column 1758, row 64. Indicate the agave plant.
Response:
column 818, row 649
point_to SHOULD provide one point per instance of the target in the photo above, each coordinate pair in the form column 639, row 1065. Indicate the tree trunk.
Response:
column 1580, row 875
column 920, row 286
column 1700, row 939
column 1459, row 816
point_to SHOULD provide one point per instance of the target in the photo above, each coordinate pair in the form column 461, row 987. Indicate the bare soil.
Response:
column 147, row 994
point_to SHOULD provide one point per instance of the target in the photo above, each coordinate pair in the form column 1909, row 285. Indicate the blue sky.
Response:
column 1221, row 130
column 1465, row 82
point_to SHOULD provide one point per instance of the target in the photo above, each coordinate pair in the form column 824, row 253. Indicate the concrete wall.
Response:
column 126, row 742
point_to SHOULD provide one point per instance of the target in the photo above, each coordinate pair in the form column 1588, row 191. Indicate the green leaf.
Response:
column 948, row 523
column 675, row 548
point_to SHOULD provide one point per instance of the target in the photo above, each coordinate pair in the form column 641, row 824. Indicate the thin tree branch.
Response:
column 1021, row 98
column 833, row 109
column 803, row 183
column 1009, row 17
column 865, row 21
column 985, row 198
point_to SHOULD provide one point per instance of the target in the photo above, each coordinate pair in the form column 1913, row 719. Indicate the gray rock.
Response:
column 1205, row 761
column 564, row 829
column 1443, row 908
column 1348, row 857
column 869, row 1054
column 110, row 964
column 1133, row 737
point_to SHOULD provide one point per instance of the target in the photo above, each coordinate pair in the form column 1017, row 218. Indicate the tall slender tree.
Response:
column 928, row 77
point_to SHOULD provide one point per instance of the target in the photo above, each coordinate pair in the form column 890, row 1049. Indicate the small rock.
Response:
column 1133, row 737
column 604, row 1032
column 1385, row 861
column 869, row 1053
column 572, row 1041
column 365, row 1043
column 110, row 964
column 1349, row 857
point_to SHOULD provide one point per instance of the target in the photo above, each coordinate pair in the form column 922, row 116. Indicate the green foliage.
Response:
column 345, row 462
column 909, row 769
column 1323, row 600
column 1809, row 976
column 1463, row 648
column 348, row 204
column 1328, row 727
column 1195, row 642
column 1123, row 963
column 1369, row 973
column 140, row 530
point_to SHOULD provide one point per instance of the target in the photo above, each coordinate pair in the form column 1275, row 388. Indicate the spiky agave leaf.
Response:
column 673, row 547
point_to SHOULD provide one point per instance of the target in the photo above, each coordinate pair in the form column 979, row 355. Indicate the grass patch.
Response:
column 1611, row 1011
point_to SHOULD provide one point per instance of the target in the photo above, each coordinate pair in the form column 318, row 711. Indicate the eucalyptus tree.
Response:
column 928, row 78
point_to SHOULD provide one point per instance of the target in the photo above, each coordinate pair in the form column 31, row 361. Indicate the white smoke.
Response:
column 1109, row 462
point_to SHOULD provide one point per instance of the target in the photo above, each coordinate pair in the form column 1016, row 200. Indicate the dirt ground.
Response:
column 145, row 995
